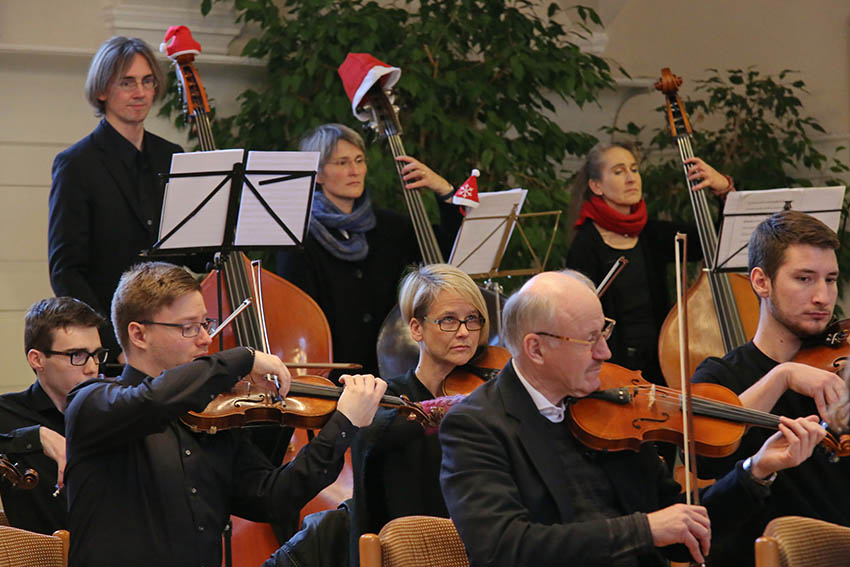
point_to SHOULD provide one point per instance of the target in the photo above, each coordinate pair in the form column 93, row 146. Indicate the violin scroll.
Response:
column 26, row 480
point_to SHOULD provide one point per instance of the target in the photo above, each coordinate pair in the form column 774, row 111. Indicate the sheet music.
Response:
column 183, row 194
column 290, row 200
column 744, row 210
column 485, row 224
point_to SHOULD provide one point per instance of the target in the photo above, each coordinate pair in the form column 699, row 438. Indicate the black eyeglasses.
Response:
column 189, row 330
column 80, row 357
column 452, row 324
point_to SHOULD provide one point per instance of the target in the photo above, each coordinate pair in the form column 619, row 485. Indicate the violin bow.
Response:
column 680, row 245
column 612, row 274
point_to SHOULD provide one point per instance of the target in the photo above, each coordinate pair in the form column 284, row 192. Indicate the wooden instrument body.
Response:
column 603, row 425
column 703, row 326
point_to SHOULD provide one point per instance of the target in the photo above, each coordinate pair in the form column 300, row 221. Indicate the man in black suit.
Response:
column 522, row 490
column 106, row 199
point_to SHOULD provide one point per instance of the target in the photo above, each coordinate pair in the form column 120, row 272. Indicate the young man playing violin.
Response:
column 63, row 349
column 794, row 272
column 522, row 490
column 143, row 488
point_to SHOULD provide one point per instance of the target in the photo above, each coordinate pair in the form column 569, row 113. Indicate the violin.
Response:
column 487, row 362
column 309, row 404
column 628, row 410
column 11, row 472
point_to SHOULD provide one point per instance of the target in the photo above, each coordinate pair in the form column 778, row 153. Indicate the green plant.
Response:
column 478, row 81
column 747, row 125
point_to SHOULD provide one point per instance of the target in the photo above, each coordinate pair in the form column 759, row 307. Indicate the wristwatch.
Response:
column 748, row 467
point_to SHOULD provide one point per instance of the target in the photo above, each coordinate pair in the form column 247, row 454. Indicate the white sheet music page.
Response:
column 290, row 199
column 483, row 229
column 183, row 194
column 744, row 210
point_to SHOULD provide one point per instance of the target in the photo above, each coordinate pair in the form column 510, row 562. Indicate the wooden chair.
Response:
column 794, row 541
column 414, row 541
column 21, row 548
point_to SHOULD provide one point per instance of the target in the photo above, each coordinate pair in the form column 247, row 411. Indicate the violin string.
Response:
column 716, row 408
column 334, row 392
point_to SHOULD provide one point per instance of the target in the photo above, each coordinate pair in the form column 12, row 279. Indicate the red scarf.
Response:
column 609, row 219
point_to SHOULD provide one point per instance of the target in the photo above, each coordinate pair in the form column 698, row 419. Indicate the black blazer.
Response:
column 501, row 482
column 97, row 225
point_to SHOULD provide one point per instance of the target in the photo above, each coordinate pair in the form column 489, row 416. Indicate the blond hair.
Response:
column 420, row 288
column 143, row 290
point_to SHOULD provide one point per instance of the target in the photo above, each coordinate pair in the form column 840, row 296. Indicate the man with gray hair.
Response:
column 106, row 199
column 522, row 490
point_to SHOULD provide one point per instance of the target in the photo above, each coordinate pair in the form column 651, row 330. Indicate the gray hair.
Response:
column 325, row 138
column 114, row 57
column 524, row 311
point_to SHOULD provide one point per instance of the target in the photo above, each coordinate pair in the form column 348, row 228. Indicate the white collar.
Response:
column 552, row 412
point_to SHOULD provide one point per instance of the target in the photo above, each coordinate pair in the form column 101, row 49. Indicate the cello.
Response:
column 727, row 318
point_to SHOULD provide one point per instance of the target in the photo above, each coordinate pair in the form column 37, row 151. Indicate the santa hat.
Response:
column 178, row 41
column 359, row 72
column 467, row 194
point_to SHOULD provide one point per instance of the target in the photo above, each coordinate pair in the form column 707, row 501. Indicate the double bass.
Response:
column 723, row 307
column 297, row 328
column 396, row 350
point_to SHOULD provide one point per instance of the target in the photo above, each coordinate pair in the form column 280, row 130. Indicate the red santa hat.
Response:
column 178, row 41
column 467, row 194
column 359, row 72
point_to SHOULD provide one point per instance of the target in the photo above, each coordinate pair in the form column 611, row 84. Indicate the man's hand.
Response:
column 270, row 364
column 53, row 445
column 360, row 397
column 788, row 447
column 682, row 523
column 824, row 387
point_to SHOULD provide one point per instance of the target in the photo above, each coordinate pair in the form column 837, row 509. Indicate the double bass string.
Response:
column 708, row 237
column 431, row 253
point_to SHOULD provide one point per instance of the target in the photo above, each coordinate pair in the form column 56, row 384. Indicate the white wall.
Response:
column 45, row 47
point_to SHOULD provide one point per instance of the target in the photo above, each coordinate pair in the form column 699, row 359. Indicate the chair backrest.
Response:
column 21, row 548
column 414, row 541
column 794, row 541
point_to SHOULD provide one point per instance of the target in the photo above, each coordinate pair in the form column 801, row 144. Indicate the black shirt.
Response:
column 816, row 488
column 22, row 414
column 145, row 490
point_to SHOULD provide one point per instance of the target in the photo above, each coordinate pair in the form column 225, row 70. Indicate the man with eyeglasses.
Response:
column 143, row 488
column 62, row 346
column 106, row 199
column 522, row 490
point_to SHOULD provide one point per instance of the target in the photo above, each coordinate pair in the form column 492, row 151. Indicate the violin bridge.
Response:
column 652, row 396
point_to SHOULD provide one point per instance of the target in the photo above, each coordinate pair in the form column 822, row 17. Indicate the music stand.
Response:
column 744, row 210
column 200, row 215
column 486, row 231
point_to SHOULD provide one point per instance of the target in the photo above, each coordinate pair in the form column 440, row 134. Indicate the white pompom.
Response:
column 475, row 173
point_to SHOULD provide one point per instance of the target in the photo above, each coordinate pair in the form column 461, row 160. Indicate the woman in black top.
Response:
column 613, row 222
column 354, row 254
column 396, row 464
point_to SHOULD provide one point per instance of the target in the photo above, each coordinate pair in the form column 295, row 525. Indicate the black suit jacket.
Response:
column 97, row 223
column 501, row 479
